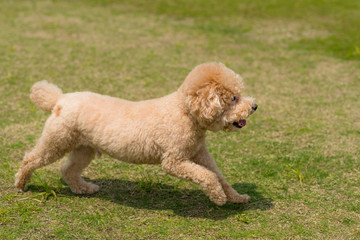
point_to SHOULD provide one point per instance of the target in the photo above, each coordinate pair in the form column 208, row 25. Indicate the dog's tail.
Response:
column 45, row 95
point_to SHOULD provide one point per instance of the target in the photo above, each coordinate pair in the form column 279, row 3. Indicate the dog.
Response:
column 169, row 130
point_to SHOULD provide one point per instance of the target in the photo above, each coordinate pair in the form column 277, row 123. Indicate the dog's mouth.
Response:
column 239, row 124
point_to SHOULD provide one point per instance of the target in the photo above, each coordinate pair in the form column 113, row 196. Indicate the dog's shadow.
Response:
column 183, row 202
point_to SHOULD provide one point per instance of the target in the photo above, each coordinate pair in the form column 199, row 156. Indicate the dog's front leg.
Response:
column 205, row 159
column 185, row 169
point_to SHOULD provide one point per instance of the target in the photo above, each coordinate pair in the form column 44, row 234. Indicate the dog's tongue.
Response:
column 242, row 122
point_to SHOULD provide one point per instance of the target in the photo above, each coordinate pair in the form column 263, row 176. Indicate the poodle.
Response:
column 169, row 130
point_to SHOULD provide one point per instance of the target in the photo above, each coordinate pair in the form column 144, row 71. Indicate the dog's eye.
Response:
column 234, row 99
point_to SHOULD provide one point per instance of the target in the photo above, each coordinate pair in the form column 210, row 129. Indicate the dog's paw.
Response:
column 218, row 197
column 20, row 185
column 85, row 188
column 218, row 200
column 240, row 198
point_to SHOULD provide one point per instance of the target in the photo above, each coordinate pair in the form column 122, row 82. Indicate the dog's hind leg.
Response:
column 79, row 159
column 56, row 140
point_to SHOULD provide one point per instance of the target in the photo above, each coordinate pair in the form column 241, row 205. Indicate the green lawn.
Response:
column 298, row 157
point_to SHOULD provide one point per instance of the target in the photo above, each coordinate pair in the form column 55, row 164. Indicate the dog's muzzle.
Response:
column 241, row 123
column 254, row 107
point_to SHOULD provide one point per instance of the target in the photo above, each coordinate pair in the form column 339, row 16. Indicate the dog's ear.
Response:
column 205, row 104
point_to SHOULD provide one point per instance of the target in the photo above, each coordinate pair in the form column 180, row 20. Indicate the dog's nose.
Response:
column 254, row 107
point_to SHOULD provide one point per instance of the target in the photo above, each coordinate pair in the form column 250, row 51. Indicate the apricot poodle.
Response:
column 169, row 130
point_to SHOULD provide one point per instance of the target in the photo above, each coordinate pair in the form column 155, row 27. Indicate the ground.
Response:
column 298, row 157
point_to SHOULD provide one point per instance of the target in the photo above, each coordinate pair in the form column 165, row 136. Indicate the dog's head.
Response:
column 212, row 94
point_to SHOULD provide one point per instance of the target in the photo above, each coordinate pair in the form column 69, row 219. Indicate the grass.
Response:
column 298, row 157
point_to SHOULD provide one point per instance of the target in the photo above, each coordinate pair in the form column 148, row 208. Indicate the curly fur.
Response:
column 45, row 95
column 169, row 131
